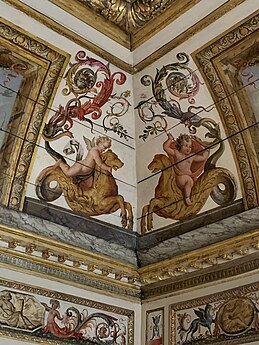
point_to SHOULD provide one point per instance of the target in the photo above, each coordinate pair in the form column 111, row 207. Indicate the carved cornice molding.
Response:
column 42, row 256
column 131, row 41
column 201, row 259
column 25, row 252
column 128, row 22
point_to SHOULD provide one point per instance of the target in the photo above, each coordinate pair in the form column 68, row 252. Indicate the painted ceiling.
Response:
column 140, row 40
column 133, row 21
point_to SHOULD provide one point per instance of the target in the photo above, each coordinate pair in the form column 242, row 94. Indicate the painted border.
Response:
column 231, row 293
column 162, row 309
column 207, row 59
column 67, row 298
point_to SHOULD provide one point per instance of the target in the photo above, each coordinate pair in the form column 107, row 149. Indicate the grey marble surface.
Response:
column 123, row 246
column 201, row 237
column 23, row 221
column 151, row 239
column 89, row 225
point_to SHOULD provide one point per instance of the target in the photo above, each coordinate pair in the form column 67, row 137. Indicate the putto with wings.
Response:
column 88, row 185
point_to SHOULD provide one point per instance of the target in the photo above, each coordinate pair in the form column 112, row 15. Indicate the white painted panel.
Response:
column 198, row 12
column 79, row 292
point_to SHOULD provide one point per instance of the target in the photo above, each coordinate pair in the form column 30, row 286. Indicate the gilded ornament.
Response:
column 13, row 244
column 209, row 61
column 129, row 15
column 46, row 253
column 77, row 263
column 32, row 52
column 62, row 258
column 30, row 248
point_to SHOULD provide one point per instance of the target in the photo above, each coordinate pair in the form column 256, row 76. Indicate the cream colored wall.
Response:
column 125, row 149
column 52, row 285
column 192, row 294
column 153, row 145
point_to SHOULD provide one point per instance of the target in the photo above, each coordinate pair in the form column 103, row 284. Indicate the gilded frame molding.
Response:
column 72, row 36
column 231, row 293
column 207, row 59
column 53, row 62
column 25, row 252
column 67, row 298
column 136, row 40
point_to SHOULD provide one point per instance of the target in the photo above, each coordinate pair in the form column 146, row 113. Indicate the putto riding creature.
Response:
column 88, row 185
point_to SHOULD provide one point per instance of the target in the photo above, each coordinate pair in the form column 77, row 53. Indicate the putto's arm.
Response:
column 99, row 162
column 167, row 145
column 203, row 156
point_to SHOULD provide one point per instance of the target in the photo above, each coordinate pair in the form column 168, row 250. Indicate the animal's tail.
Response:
column 54, row 154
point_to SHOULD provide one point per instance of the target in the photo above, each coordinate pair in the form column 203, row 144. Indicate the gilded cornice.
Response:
column 131, row 41
column 69, row 34
column 39, row 256
column 129, row 23
column 129, row 15
column 97, row 21
column 209, row 257
column 25, row 251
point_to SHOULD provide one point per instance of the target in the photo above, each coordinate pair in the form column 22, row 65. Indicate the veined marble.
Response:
column 42, row 227
column 201, row 237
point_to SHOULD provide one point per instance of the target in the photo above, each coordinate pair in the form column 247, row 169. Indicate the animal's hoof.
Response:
column 143, row 230
column 124, row 222
column 188, row 201
column 130, row 225
column 150, row 226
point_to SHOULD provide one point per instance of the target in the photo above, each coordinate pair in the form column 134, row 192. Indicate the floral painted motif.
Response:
column 88, row 184
column 25, row 313
column 92, row 89
column 179, row 81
